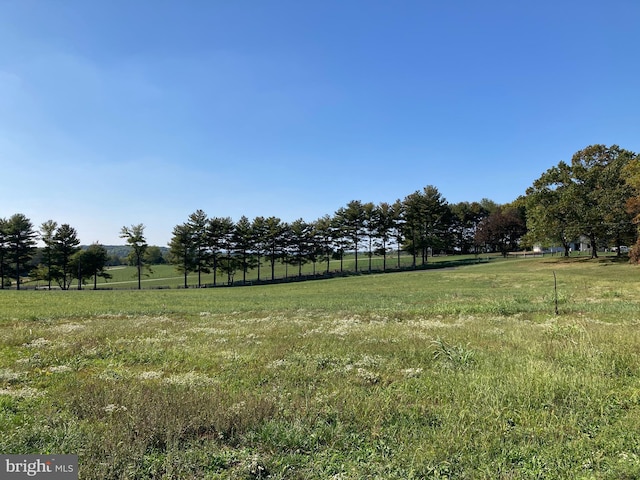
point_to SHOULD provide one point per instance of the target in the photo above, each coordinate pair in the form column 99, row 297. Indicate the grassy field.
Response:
column 166, row 276
column 451, row 373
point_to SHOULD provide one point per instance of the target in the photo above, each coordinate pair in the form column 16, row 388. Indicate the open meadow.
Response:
column 449, row 373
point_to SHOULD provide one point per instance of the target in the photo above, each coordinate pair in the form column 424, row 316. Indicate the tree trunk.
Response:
column 594, row 250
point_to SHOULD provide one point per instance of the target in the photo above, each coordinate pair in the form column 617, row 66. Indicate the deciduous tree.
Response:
column 551, row 209
column 502, row 229
column 91, row 262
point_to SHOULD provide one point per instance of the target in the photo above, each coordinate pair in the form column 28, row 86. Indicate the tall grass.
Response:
column 462, row 373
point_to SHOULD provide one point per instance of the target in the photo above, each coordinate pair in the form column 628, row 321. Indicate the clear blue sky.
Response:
column 118, row 112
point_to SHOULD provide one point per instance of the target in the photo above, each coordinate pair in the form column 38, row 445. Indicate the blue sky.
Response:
column 119, row 112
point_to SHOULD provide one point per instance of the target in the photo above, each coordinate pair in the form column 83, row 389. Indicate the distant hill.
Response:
column 118, row 253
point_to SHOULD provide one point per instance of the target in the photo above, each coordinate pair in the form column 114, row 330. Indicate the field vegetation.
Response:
column 167, row 276
column 441, row 373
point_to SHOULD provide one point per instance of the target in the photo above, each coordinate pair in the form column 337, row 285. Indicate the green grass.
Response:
column 166, row 276
column 456, row 373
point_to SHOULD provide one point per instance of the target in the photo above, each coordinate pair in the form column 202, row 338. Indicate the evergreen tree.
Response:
column 197, row 223
column 135, row 238
column 183, row 250
column 427, row 222
column 20, row 240
column 47, row 231
column 218, row 235
column 4, row 252
column 65, row 244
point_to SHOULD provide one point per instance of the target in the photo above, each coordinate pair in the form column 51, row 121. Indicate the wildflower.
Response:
column 113, row 408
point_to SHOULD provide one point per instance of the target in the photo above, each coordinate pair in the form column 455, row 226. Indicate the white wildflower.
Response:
column 150, row 375
column 189, row 379
column 68, row 327
column 278, row 363
column 37, row 343
column 7, row 375
column 412, row 372
column 113, row 408
column 367, row 376
column 25, row 392
column 238, row 408
column 59, row 369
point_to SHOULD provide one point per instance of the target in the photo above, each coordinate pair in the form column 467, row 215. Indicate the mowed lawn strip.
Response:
column 458, row 373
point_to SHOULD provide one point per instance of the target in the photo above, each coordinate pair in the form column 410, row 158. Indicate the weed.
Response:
column 454, row 356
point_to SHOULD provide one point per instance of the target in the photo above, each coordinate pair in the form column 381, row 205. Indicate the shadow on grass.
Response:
column 583, row 259
column 434, row 265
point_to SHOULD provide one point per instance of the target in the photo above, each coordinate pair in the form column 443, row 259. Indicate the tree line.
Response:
column 420, row 224
column 596, row 196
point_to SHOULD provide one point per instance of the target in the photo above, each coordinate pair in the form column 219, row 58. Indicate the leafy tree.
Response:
column 587, row 197
column 65, row 244
column 616, row 218
column 183, row 250
column 91, row 262
column 551, row 212
column 135, row 238
column 631, row 173
column 600, row 191
column 20, row 238
column 502, row 229
column 154, row 256
column 489, row 206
